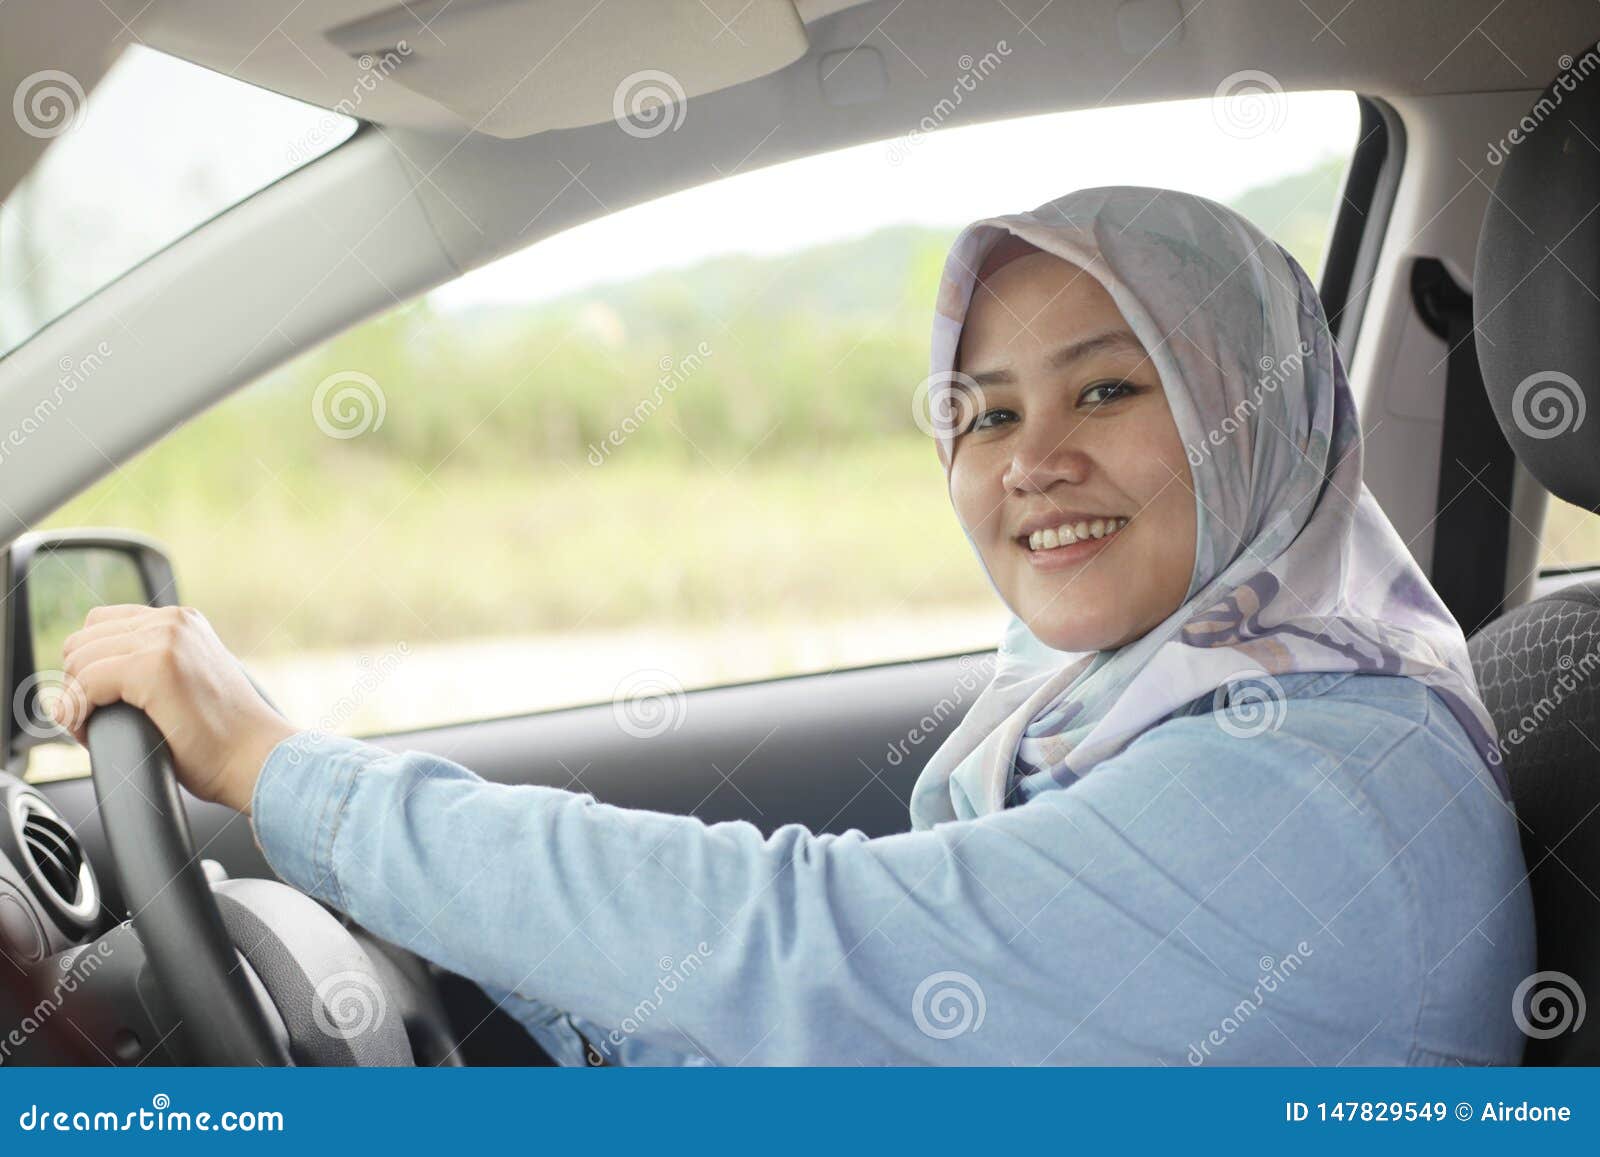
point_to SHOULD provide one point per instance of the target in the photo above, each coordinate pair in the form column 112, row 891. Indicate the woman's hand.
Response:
column 169, row 663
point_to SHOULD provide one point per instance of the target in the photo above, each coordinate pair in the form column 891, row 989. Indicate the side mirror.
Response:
column 55, row 578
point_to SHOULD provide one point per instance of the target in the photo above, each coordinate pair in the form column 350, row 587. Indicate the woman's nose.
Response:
column 1044, row 456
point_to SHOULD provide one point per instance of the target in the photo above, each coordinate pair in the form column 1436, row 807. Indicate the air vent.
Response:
column 54, row 859
column 55, row 854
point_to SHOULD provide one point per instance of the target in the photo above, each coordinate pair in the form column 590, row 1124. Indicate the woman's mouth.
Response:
column 1070, row 542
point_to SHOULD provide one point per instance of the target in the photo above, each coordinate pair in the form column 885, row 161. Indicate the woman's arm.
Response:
column 1139, row 917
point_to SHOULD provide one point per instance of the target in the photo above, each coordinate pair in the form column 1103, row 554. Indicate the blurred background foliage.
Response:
column 785, row 471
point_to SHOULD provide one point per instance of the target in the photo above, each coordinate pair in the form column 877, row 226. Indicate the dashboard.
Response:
column 49, row 896
column 75, row 986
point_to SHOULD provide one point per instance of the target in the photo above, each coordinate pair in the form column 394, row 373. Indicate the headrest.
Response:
column 1536, row 288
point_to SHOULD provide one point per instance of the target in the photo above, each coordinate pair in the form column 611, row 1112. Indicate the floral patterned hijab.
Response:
column 1296, row 568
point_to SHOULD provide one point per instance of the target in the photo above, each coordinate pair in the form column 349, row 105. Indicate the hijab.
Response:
column 1296, row 567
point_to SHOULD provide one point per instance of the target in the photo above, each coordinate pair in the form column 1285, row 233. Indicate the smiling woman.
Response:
column 1067, row 400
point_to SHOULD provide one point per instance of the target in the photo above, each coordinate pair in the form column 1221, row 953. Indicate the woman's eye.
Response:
column 991, row 418
column 1102, row 392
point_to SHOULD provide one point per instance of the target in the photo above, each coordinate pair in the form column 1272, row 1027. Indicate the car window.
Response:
column 157, row 148
column 1570, row 537
column 675, row 447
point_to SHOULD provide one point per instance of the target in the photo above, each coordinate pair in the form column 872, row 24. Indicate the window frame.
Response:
column 1354, row 241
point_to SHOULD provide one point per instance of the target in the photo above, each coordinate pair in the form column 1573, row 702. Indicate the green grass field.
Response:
column 297, row 558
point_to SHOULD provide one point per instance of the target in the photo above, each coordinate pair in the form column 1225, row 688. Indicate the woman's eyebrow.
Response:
column 1107, row 341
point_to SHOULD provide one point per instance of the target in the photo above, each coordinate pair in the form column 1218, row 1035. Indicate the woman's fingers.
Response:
column 106, row 680
column 93, row 628
column 140, row 636
column 116, row 611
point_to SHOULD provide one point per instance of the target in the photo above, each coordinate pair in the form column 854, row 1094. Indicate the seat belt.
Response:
column 1472, row 530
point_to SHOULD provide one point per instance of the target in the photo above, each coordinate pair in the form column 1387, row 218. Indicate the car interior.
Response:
column 1463, row 261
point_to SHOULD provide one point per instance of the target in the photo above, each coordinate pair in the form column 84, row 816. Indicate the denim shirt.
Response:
column 1345, row 887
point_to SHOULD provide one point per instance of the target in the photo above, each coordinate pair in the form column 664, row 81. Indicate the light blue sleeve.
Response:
column 570, row 1040
column 1198, row 899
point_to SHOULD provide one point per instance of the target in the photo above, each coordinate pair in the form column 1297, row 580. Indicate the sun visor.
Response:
column 511, row 68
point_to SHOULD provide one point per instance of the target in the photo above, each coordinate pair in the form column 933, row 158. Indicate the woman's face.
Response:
column 1071, row 429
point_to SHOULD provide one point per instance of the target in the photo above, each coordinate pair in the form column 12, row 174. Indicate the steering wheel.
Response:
column 303, row 991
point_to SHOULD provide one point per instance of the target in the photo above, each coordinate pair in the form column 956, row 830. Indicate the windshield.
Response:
column 159, row 147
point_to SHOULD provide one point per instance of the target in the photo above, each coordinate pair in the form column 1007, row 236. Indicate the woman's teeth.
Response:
column 1072, row 532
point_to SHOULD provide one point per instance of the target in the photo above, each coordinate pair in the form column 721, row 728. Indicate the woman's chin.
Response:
column 1073, row 634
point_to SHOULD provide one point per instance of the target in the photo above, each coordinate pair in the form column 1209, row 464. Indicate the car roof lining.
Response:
column 1119, row 52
